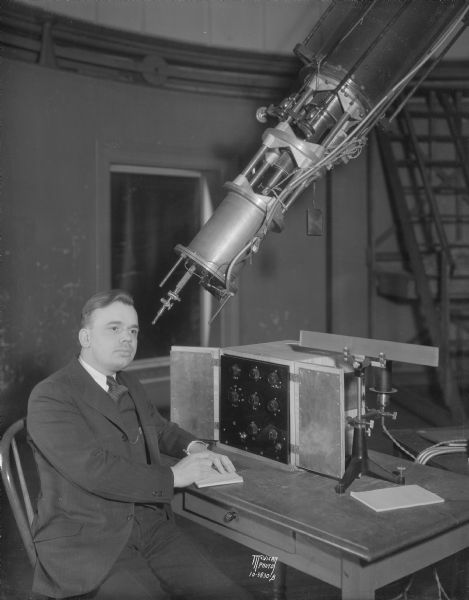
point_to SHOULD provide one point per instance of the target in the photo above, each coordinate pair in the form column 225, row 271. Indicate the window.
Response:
column 152, row 210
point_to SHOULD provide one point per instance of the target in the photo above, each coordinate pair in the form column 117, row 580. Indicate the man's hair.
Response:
column 101, row 300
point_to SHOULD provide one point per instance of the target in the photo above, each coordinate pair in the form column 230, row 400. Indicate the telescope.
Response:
column 356, row 61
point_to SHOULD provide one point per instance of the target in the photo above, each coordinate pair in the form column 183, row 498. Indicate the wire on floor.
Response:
column 449, row 447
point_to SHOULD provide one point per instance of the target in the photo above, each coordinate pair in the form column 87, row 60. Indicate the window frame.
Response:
column 108, row 156
column 206, row 210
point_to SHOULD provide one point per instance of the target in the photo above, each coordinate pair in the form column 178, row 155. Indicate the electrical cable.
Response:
column 394, row 441
column 448, row 447
column 440, row 587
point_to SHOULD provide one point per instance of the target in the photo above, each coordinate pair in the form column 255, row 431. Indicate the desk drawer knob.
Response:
column 231, row 515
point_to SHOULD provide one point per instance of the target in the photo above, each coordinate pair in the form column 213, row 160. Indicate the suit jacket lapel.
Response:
column 94, row 396
column 145, row 420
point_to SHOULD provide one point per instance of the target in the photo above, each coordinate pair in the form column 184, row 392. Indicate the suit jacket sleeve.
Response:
column 86, row 449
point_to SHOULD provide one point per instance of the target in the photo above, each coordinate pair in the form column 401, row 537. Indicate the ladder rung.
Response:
column 440, row 191
column 446, row 219
column 424, row 138
column 445, row 164
column 433, row 114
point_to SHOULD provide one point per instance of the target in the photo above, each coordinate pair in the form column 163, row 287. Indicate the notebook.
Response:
column 391, row 498
column 217, row 478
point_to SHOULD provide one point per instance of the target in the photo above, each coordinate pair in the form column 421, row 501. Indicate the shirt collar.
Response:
column 99, row 377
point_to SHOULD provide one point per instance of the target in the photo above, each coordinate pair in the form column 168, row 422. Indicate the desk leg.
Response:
column 357, row 583
column 460, row 575
column 280, row 582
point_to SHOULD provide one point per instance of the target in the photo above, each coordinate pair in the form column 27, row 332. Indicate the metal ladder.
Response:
column 425, row 159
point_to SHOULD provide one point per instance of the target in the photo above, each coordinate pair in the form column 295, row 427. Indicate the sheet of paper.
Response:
column 391, row 498
column 217, row 478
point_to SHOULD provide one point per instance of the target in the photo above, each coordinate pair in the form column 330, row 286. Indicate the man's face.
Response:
column 109, row 342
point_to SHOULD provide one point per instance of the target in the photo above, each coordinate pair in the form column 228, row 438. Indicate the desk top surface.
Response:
column 307, row 503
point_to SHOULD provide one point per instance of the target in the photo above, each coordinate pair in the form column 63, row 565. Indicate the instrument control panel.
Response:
column 254, row 406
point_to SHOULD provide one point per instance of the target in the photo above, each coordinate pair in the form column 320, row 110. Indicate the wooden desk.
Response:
column 297, row 517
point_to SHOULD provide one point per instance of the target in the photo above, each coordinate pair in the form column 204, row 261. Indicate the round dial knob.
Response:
column 235, row 370
column 254, row 373
column 235, row 396
column 273, row 435
column 253, row 428
column 254, row 400
column 273, row 380
column 273, row 406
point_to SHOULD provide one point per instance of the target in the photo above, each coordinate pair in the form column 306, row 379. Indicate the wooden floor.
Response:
column 235, row 560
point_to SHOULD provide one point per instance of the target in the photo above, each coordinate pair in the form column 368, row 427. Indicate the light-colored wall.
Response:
column 60, row 133
column 60, row 128
column 258, row 25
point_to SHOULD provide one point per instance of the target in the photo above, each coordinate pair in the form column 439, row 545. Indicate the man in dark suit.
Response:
column 104, row 527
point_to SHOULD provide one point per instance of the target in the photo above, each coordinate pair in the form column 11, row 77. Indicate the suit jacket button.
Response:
column 130, row 517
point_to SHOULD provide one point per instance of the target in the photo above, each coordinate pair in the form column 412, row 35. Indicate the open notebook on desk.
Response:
column 217, row 478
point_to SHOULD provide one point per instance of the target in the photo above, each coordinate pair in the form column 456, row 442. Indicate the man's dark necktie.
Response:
column 116, row 390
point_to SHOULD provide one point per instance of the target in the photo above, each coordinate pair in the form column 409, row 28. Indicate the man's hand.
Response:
column 198, row 465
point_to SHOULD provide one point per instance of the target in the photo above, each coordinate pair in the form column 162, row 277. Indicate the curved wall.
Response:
column 75, row 99
column 257, row 25
column 65, row 120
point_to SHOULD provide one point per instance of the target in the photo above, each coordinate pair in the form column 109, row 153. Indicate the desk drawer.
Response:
column 241, row 522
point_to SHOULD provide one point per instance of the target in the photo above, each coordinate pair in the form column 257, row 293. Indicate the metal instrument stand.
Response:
column 360, row 464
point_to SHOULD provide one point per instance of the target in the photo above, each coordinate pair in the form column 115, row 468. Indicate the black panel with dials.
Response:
column 254, row 406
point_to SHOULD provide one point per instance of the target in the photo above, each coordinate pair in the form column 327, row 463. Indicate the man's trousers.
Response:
column 159, row 562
